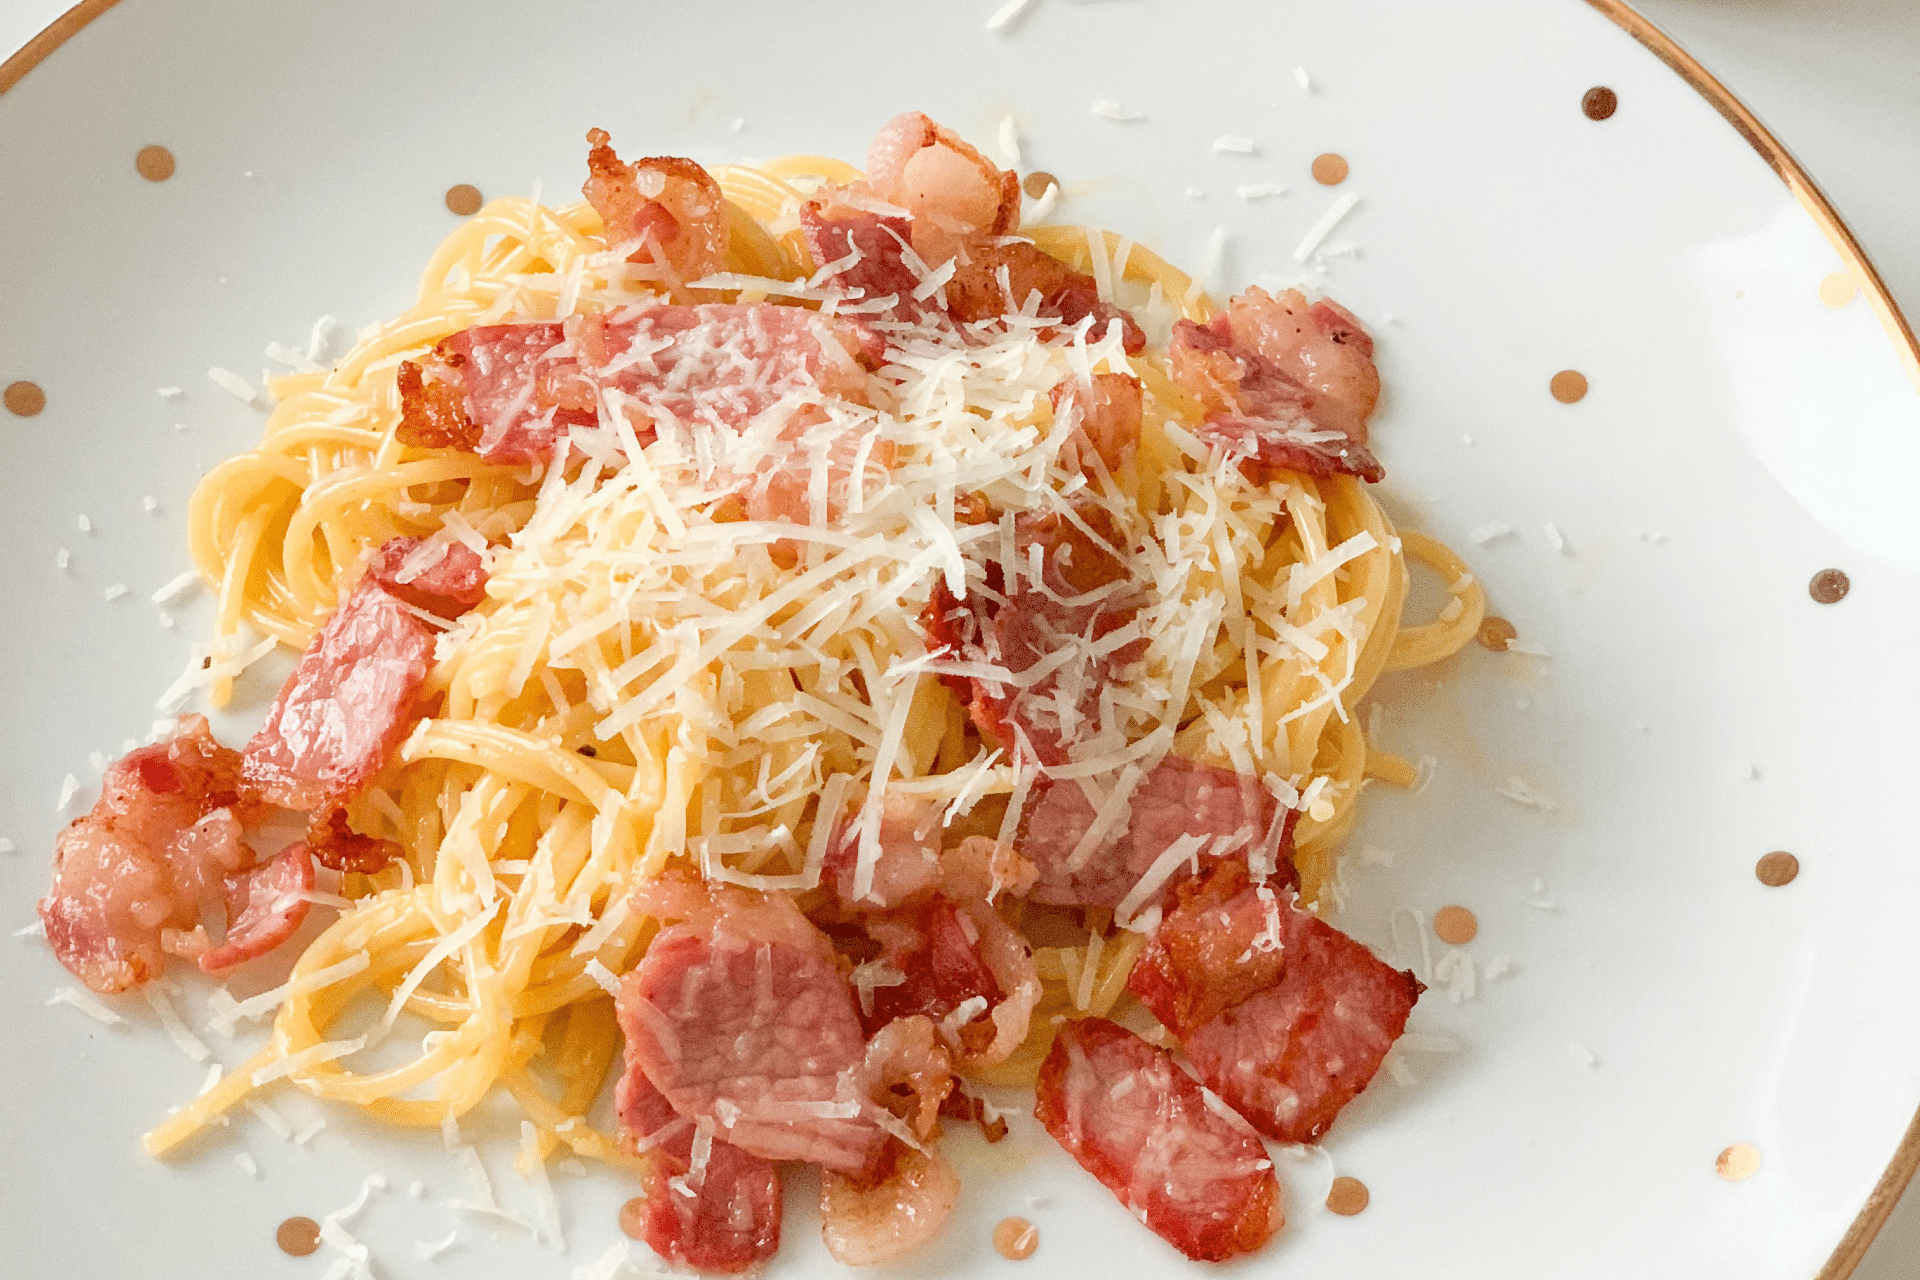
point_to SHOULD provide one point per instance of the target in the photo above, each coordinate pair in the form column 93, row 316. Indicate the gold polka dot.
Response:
column 1455, row 926
column 633, row 1218
column 1016, row 1238
column 1347, row 1196
column 154, row 163
column 1738, row 1162
column 1599, row 102
column 298, row 1236
column 1777, row 868
column 1569, row 386
column 464, row 199
column 24, row 399
column 1497, row 633
column 1838, row 289
column 1330, row 170
column 1036, row 183
column 1829, row 586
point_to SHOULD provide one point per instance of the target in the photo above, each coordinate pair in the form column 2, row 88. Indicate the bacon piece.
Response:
column 961, row 1105
column 977, row 292
column 1197, row 1176
column 507, row 392
column 740, row 1016
column 446, row 582
column 1220, row 943
column 1290, row 1056
column 665, row 210
column 1233, row 814
column 1107, row 412
column 265, row 905
column 946, row 186
column 909, row 1074
column 866, row 1223
column 132, row 877
column 1284, row 384
column 937, row 948
column 345, row 708
column 1080, row 602
column 723, row 1218
column 907, row 869
column 335, row 844
column 868, row 254
column 717, row 364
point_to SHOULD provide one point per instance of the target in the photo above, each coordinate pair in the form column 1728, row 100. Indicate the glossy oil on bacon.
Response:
column 948, row 189
column 996, row 277
column 346, row 707
column 1291, row 1055
column 1196, row 1175
column 867, row 1222
column 132, row 877
column 1106, row 412
column 723, row 1218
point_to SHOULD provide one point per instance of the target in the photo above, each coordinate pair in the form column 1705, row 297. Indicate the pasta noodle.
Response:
column 646, row 684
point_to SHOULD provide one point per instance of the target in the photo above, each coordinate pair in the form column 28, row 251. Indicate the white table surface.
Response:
column 1838, row 81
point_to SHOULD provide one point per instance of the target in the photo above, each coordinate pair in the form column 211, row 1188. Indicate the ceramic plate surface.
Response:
column 1639, row 1001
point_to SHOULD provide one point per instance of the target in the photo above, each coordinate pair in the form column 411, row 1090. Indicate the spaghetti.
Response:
column 659, row 677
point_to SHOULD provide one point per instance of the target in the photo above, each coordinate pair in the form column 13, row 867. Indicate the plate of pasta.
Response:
column 917, row 649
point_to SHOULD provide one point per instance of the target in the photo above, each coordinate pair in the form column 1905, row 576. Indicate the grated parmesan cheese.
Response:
column 7, row 846
column 234, row 385
column 247, row 1166
column 1320, row 230
column 1233, row 144
column 1004, row 16
column 1109, row 110
column 86, row 1003
column 1492, row 531
column 1259, row 190
column 183, row 1039
column 68, row 786
column 1522, row 792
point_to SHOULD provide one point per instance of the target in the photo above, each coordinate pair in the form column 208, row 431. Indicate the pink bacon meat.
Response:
column 511, row 392
column 1291, row 1055
column 1081, row 602
column 740, row 1017
column 445, row 580
column 1219, row 945
column 663, row 210
column 345, row 708
column 133, row 877
column 715, row 1209
column 1231, row 814
column 1194, row 1173
column 265, row 906
column 1284, row 384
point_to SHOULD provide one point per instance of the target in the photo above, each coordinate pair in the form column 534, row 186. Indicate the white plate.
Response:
column 1697, row 709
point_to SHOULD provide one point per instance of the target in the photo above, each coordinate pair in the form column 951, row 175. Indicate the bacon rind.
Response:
column 346, row 707
column 1289, row 1057
column 1198, row 1178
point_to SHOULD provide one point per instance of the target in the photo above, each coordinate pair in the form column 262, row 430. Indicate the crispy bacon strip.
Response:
column 346, row 707
column 265, row 906
column 1285, row 385
column 1291, row 1055
column 664, row 210
column 1195, row 1174
column 723, row 1218
column 131, row 877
